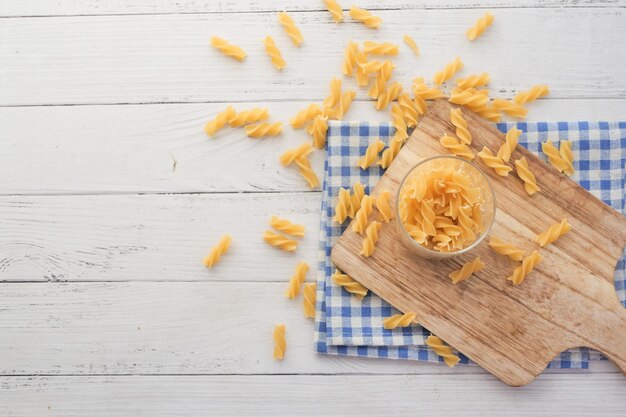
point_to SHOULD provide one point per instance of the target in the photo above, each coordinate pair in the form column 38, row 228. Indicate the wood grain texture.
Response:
column 513, row 332
column 167, row 58
column 310, row 396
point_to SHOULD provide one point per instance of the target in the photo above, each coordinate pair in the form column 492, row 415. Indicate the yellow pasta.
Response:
column 399, row 320
column 420, row 89
column 390, row 153
column 365, row 17
column 335, row 93
column 469, row 98
column 533, row 94
column 220, row 121
column 228, row 49
column 494, row 162
column 286, row 226
column 309, row 296
column 380, row 83
column 489, row 113
column 296, row 281
column 360, row 217
column 409, row 111
column 553, row 233
column 383, row 206
column 342, row 107
column 280, row 342
column 274, row 53
column 370, row 239
column 320, row 127
column 305, row 115
column 510, row 108
column 479, row 27
column 217, row 251
column 443, row 350
column 259, row 130
column 455, row 147
column 290, row 27
column 411, row 44
column 554, row 157
column 248, row 116
column 467, row 270
column 343, row 207
column 370, row 67
column 289, row 156
column 349, row 284
column 530, row 182
column 306, row 171
column 528, row 264
column 279, row 241
column 383, row 48
column 350, row 58
column 456, row 117
column 505, row 248
column 565, row 150
column 448, row 71
column 397, row 120
column 509, row 145
column 335, row 10
column 420, row 105
column 389, row 95
column 473, row 81
column 371, row 154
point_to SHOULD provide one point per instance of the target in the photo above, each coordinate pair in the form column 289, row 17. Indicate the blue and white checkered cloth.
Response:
column 347, row 326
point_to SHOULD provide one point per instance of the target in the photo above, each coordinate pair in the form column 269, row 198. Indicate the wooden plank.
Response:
column 569, row 300
column 99, row 7
column 167, row 58
column 129, row 149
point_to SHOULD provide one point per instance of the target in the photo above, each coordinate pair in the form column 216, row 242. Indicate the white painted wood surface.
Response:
column 87, row 172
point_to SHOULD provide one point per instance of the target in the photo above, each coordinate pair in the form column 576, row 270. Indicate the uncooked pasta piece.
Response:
column 443, row 350
column 530, row 182
column 489, row 113
column 510, row 108
column 383, row 48
column 553, row 233
column 397, row 120
column 479, row 27
column 473, row 81
column 533, row 94
column 554, row 157
column 399, row 320
column 296, row 281
column 280, row 343
column 390, row 153
column 380, row 82
column 220, row 121
column 259, row 130
column 565, row 150
column 217, row 251
column 494, row 162
column 305, row 115
column 335, row 10
column 469, row 98
column 279, row 241
column 528, row 264
column 409, row 110
column 456, row 117
column 508, row 147
column 350, row 58
column 383, row 205
column 248, row 116
column 506, row 248
column 467, row 270
column 371, row 154
column 365, row 17
column 306, row 171
column 420, row 89
column 342, row 107
column 290, row 27
column 455, row 147
column 349, row 284
column 360, row 217
column 370, row 239
column 228, row 49
column 320, row 127
column 371, row 67
column 343, row 207
column 335, row 93
column 286, row 226
column 290, row 155
column 358, row 192
column 448, row 71
column 309, row 296
column 411, row 44
column 274, row 53
column 389, row 95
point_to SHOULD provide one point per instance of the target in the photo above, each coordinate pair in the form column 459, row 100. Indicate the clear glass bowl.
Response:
column 488, row 207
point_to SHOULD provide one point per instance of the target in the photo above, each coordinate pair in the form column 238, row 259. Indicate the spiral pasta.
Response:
column 280, row 342
column 305, row 115
column 217, row 251
column 456, row 117
column 342, row 107
column 390, row 153
column 554, row 157
column 228, row 49
column 388, row 95
column 290, row 155
column 371, row 154
column 420, row 89
column 467, row 270
column 553, row 233
column 530, row 182
column 397, row 120
column 479, row 27
column 320, row 127
column 349, row 284
column 335, row 10
column 296, row 281
column 505, row 248
column 448, row 71
column 409, row 111
column 494, row 162
column 286, row 226
column 473, row 81
column 443, row 350
column 411, row 44
column 306, row 171
column 290, row 27
column 259, row 130
column 350, row 58
column 279, row 241
column 380, row 83
column 455, row 147
column 360, row 217
column 308, row 302
column 509, row 145
column 371, row 67
column 335, row 93
column 565, row 150
column 510, row 108
column 343, row 208
column 358, row 192
column 489, row 113
column 469, row 98
column 248, row 116
column 365, row 17
column 528, row 264
column 274, row 53
column 383, row 206
column 220, row 121
column 370, row 239
column 383, row 48
column 399, row 320
column 533, row 94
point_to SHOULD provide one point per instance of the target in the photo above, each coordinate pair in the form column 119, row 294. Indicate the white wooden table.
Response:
column 111, row 195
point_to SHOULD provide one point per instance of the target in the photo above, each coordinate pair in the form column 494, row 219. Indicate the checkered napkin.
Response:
column 347, row 326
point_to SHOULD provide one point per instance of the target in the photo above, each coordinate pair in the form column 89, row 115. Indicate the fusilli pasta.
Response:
column 342, row 107
column 469, row 98
column 442, row 350
column 411, row 44
column 217, row 251
column 467, row 270
column 420, row 89
column 370, row 239
column 248, row 116
column 554, row 157
column 350, row 58
column 290, row 27
column 220, row 121
column 335, row 93
column 489, row 113
column 228, row 49
column 390, row 153
column 509, row 145
column 388, row 95
column 296, row 281
column 456, row 117
column 510, row 108
column 383, row 206
column 553, row 233
column 305, row 115
column 290, row 155
column 408, row 109
column 473, row 81
column 365, row 17
column 397, row 120
column 274, row 53
column 399, row 320
column 380, row 83
column 349, row 284
column 533, row 94
column 371, row 154
column 286, row 226
column 448, row 71
column 309, row 296
column 259, row 130
column 306, row 171
column 343, row 207
column 360, row 217
column 358, row 192
column 279, row 241
column 280, row 342
column 494, row 162
column 530, row 182
column 505, row 248
column 565, row 150
column 320, row 127
column 335, row 10
column 479, row 27
column 528, row 264
column 455, row 147
column 383, row 48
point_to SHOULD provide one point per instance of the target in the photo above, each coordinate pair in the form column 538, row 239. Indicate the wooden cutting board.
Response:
column 568, row 301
